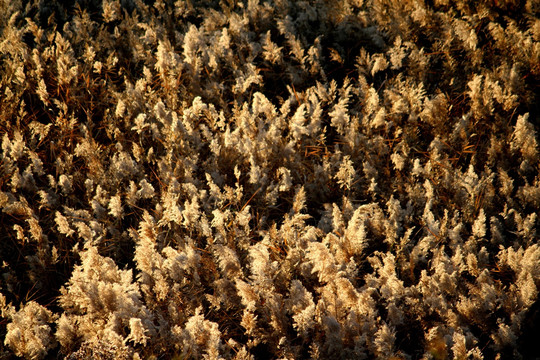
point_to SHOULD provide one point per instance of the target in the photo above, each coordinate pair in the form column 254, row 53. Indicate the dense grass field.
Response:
column 274, row 179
